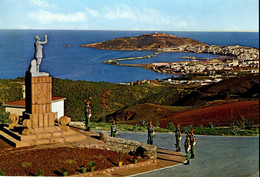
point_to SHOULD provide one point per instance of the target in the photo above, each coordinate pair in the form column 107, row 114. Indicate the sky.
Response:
column 164, row 15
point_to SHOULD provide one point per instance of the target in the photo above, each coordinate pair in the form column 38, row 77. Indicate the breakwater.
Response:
column 115, row 61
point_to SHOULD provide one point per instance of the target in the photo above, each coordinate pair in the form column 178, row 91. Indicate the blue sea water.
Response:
column 80, row 63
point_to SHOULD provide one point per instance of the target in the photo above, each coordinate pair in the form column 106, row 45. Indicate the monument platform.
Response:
column 47, row 137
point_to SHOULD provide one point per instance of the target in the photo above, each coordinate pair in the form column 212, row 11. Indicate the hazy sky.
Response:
column 168, row 15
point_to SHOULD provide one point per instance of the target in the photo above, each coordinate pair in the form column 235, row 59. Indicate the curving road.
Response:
column 215, row 156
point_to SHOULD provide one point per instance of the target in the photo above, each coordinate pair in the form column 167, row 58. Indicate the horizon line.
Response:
column 133, row 30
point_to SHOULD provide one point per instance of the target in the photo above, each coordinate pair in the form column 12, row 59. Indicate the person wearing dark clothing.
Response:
column 192, row 143
column 87, row 116
column 150, row 133
column 113, row 129
column 178, row 138
column 187, row 148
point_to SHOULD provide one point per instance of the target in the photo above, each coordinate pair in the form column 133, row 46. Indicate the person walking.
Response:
column 150, row 133
column 192, row 142
column 87, row 115
column 113, row 129
column 178, row 138
column 187, row 148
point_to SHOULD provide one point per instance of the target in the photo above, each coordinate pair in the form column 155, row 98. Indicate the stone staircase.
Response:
column 58, row 136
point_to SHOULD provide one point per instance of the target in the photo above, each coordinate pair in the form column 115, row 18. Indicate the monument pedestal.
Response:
column 38, row 116
column 38, row 119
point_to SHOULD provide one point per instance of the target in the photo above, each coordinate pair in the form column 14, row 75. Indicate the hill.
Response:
column 221, row 115
column 152, row 41
column 146, row 111
column 246, row 86
column 199, row 106
column 106, row 98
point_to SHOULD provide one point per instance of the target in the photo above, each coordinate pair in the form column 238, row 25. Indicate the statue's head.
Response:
column 37, row 37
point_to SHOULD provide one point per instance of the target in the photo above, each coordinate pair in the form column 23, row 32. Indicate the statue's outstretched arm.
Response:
column 46, row 40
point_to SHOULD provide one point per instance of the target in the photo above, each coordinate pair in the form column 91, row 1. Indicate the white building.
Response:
column 18, row 107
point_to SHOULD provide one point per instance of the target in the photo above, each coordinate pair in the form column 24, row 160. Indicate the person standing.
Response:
column 192, row 142
column 150, row 133
column 187, row 148
column 113, row 129
column 178, row 138
column 88, row 115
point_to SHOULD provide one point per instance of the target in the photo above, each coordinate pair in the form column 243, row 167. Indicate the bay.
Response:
column 80, row 63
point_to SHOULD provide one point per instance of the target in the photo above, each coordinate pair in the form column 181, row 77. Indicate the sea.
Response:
column 81, row 63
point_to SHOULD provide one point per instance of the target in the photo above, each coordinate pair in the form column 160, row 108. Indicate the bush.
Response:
column 171, row 127
column 2, row 173
column 91, row 164
column 241, row 122
column 157, row 124
column 211, row 125
column 135, row 127
column 40, row 172
column 143, row 123
column 4, row 116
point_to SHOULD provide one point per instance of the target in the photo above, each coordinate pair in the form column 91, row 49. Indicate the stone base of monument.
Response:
column 51, row 135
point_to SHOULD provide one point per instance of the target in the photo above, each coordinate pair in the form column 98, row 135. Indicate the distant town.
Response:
column 235, row 60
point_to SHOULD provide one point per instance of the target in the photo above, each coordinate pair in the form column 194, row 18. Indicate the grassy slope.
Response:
column 106, row 98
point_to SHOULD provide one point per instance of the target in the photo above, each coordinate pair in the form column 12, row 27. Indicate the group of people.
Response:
column 189, row 143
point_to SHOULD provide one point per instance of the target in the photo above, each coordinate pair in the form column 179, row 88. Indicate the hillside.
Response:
column 146, row 111
column 106, row 98
column 152, row 41
column 131, row 104
column 221, row 115
column 246, row 86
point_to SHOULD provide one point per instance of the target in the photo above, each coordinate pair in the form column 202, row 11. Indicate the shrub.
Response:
column 4, row 116
column 211, row 125
column 2, row 173
column 91, row 164
column 40, row 172
column 248, row 124
column 157, row 124
column 135, row 127
column 171, row 127
column 241, row 122
column 143, row 123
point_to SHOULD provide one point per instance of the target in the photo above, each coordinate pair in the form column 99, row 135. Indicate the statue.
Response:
column 38, row 50
column 34, row 68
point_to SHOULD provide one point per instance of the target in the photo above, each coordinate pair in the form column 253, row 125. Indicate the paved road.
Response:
column 215, row 156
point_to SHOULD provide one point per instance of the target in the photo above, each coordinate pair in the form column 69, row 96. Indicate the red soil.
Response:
column 52, row 160
column 221, row 115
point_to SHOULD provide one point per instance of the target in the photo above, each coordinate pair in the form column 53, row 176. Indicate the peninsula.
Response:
column 163, row 42
column 153, row 41
column 236, row 59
